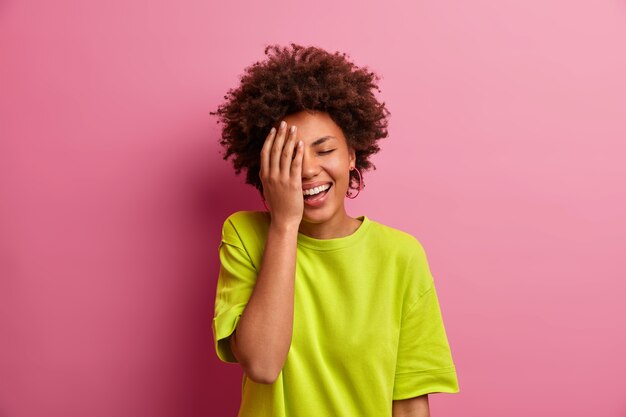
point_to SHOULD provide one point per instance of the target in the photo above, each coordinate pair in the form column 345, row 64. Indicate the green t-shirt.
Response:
column 367, row 324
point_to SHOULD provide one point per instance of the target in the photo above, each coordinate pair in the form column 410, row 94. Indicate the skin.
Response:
column 411, row 407
column 262, row 338
column 330, row 220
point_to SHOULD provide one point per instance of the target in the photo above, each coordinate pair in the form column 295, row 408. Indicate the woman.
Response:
column 327, row 314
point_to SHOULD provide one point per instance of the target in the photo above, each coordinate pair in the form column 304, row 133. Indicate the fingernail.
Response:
column 282, row 124
column 293, row 128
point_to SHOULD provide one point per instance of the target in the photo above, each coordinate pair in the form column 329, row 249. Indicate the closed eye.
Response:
column 328, row 151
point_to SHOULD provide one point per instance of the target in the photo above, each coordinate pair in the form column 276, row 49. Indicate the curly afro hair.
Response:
column 293, row 80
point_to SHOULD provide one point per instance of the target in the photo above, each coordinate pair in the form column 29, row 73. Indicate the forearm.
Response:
column 263, row 335
column 412, row 407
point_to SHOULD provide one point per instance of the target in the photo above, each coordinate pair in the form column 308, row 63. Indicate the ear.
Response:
column 352, row 157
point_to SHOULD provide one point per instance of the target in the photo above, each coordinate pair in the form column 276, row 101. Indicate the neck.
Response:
column 338, row 226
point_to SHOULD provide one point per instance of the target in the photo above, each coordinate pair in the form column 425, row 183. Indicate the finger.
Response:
column 277, row 149
column 287, row 155
column 265, row 160
column 296, row 164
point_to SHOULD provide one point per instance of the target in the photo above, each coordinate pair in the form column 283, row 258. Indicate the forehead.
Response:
column 313, row 125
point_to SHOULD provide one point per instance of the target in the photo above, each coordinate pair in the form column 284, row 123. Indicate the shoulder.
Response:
column 246, row 228
column 396, row 240
column 247, row 218
column 408, row 253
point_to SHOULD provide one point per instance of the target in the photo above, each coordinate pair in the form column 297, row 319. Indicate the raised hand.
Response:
column 281, row 175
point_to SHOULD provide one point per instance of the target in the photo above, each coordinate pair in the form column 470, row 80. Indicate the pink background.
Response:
column 505, row 159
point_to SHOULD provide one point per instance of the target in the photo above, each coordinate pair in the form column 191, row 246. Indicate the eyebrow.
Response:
column 322, row 140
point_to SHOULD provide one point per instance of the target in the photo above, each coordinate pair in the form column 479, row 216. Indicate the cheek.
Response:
column 340, row 171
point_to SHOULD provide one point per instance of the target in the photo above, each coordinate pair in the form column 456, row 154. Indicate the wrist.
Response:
column 284, row 227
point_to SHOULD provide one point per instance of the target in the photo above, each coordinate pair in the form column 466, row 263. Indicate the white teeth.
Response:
column 316, row 190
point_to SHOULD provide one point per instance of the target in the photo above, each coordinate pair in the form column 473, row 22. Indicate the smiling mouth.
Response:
column 317, row 196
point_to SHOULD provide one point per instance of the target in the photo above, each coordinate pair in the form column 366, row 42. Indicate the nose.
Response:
column 310, row 165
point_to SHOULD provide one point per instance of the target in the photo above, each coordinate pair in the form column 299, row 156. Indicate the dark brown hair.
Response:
column 293, row 80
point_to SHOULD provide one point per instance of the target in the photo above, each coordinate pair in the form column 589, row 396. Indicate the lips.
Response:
column 318, row 199
column 314, row 184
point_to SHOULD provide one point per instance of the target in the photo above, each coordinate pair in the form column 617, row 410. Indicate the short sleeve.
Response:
column 424, row 362
column 237, row 276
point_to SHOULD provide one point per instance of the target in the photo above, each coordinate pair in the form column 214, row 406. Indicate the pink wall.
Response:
column 505, row 159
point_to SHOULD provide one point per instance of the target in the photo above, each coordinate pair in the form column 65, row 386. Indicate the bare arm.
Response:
column 262, row 338
column 411, row 407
